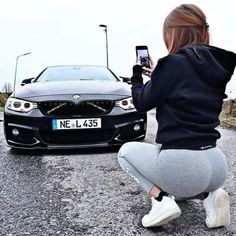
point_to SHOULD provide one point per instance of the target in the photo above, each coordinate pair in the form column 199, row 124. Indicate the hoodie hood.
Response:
column 214, row 65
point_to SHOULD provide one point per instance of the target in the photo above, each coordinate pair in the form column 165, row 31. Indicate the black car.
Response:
column 72, row 107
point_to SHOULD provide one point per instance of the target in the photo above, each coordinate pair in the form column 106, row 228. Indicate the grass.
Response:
column 227, row 121
column 228, row 114
column 3, row 99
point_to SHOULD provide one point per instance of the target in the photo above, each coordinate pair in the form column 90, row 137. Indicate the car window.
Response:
column 67, row 73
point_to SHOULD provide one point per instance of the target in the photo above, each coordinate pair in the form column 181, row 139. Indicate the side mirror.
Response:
column 126, row 79
column 27, row 81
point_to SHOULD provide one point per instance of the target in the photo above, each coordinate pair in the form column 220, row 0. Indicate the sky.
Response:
column 65, row 32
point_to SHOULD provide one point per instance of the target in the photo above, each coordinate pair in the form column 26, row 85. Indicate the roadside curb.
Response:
column 1, row 116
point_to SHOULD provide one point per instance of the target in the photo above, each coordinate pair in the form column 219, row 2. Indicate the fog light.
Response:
column 137, row 127
column 15, row 132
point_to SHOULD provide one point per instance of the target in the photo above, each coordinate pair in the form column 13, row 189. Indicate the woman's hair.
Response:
column 185, row 26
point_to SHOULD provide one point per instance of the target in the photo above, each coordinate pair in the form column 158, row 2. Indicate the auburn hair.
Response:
column 185, row 26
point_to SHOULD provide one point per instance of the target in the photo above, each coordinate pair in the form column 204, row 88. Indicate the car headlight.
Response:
column 19, row 105
column 126, row 104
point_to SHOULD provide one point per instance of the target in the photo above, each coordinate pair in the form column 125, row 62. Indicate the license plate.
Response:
column 92, row 123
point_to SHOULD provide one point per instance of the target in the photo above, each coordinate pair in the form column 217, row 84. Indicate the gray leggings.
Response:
column 179, row 172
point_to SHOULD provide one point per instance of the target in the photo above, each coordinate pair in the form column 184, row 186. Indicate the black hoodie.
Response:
column 188, row 89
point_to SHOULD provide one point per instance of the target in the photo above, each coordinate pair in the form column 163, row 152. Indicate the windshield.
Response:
column 67, row 73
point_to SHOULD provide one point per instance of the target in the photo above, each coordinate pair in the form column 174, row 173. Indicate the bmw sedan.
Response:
column 72, row 107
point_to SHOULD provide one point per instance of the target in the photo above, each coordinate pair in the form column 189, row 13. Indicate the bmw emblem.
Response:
column 76, row 96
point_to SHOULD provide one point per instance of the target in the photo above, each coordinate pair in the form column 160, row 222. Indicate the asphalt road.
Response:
column 87, row 193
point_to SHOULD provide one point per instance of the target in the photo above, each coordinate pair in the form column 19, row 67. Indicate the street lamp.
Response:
column 105, row 30
column 21, row 55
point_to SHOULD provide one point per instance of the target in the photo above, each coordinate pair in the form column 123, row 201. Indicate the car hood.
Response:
column 46, row 89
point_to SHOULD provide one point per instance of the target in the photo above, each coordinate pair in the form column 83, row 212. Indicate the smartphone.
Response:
column 143, row 55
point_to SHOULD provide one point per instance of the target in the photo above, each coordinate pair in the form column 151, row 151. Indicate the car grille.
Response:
column 76, row 137
column 84, row 108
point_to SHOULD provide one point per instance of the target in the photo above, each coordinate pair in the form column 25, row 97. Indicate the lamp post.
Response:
column 21, row 55
column 105, row 30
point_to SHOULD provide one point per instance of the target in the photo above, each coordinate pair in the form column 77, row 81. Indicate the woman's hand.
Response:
column 147, row 71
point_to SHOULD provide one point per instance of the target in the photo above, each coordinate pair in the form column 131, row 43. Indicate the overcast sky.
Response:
column 59, row 32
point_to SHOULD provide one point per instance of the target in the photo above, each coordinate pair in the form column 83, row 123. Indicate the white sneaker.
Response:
column 162, row 212
column 217, row 208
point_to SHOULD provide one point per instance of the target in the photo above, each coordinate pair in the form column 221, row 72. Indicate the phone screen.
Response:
column 142, row 54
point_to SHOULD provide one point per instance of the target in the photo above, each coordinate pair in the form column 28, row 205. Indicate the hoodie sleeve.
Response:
column 154, row 92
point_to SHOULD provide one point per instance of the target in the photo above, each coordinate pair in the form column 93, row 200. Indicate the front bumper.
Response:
column 35, row 130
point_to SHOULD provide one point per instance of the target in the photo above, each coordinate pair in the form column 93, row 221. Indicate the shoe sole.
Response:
column 164, row 218
column 222, row 213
